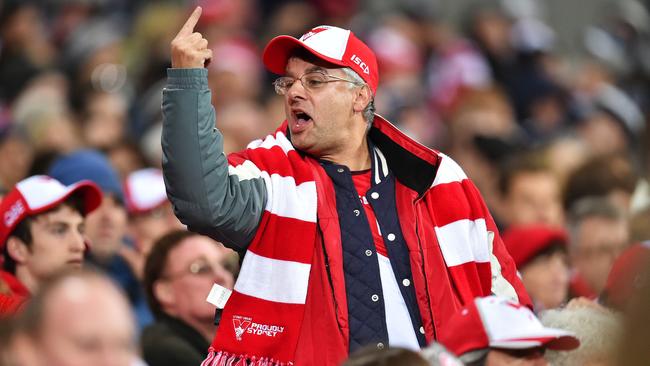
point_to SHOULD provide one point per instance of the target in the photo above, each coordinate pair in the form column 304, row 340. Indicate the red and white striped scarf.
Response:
column 261, row 321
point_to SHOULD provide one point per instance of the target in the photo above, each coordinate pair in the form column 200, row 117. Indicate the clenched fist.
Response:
column 189, row 48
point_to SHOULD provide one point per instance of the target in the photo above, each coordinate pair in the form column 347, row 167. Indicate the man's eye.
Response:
column 59, row 229
column 314, row 82
column 205, row 269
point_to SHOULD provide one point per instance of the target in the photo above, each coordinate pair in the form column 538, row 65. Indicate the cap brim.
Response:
column 92, row 195
column 551, row 338
column 89, row 191
column 277, row 52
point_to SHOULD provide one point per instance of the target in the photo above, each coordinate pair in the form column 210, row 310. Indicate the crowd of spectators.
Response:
column 557, row 144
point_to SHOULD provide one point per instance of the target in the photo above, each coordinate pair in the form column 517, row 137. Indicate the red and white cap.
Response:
column 332, row 44
column 38, row 194
column 144, row 190
column 495, row 322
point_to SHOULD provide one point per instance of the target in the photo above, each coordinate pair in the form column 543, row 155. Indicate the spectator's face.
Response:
column 105, row 120
column 57, row 243
column 534, row 198
column 151, row 225
column 106, row 226
column 87, row 323
column 547, row 279
column 192, row 268
column 321, row 120
column 603, row 135
column 16, row 157
column 529, row 357
column 598, row 242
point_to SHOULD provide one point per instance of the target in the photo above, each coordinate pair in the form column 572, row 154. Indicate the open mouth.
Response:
column 302, row 120
column 302, row 117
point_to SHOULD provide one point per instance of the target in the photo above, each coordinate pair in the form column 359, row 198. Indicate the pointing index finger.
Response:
column 188, row 27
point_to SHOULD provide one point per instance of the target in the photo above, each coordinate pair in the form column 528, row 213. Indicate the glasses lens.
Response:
column 200, row 268
column 283, row 84
column 314, row 80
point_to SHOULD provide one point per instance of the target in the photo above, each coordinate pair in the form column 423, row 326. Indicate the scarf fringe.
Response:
column 222, row 358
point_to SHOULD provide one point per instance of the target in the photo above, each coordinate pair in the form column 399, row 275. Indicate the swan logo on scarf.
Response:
column 240, row 324
column 245, row 325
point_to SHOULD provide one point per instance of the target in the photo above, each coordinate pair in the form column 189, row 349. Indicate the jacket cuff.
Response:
column 196, row 79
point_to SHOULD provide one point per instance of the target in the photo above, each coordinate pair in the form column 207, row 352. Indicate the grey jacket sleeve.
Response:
column 204, row 196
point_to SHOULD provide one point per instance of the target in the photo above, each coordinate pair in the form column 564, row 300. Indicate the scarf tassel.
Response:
column 222, row 358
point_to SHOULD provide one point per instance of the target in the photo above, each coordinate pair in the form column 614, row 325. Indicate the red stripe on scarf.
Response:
column 285, row 230
column 453, row 203
column 265, row 329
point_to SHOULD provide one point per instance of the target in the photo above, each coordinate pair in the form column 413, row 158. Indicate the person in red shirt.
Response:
column 41, row 233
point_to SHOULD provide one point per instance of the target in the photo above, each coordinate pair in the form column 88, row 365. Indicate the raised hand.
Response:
column 189, row 49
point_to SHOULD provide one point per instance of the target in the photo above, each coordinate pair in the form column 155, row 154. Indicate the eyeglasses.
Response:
column 200, row 267
column 311, row 81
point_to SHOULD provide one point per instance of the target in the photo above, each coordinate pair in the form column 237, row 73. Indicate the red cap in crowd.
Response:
column 494, row 322
column 332, row 44
column 144, row 190
column 626, row 275
column 525, row 242
column 38, row 194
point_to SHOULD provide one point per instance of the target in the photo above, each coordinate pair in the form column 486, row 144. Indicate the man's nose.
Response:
column 296, row 90
column 78, row 242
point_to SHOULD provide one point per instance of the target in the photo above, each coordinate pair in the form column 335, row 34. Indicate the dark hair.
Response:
column 553, row 246
column 156, row 263
column 527, row 163
column 23, row 229
column 598, row 177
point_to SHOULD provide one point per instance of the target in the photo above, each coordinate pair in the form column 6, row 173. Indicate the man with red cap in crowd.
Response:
column 540, row 253
column 42, row 231
column 150, row 215
column 493, row 331
column 353, row 233
column 150, row 212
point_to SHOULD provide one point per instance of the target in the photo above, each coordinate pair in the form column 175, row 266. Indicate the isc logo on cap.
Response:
column 361, row 64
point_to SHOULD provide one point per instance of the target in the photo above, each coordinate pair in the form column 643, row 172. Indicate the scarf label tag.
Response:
column 218, row 296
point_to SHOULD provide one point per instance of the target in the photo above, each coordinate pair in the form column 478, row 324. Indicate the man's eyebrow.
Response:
column 57, row 223
column 316, row 68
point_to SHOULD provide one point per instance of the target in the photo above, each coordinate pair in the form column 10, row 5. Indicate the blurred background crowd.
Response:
column 545, row 105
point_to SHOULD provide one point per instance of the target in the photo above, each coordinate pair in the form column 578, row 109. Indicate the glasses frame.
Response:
column 195, row 269
column 281, row 89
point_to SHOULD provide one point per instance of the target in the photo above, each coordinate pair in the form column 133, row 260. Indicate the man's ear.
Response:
column 362, row 99
column 164, row 293
column 17, row 249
